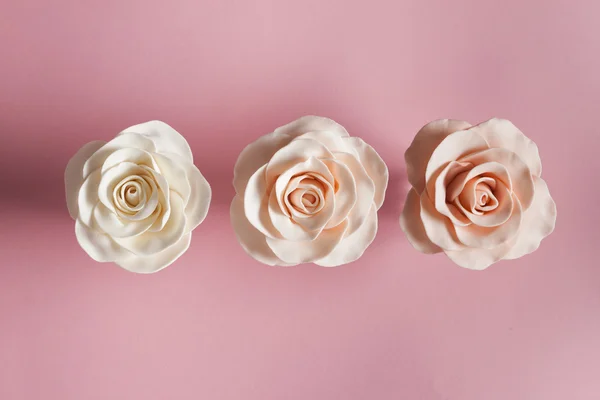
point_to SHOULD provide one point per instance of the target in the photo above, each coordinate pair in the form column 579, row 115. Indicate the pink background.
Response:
column 217, row 325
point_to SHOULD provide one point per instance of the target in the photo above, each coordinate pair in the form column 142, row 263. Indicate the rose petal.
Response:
column 439, row 193
column 453, row 148
column 128, row 140
column 375, row 167
column 426, row 140
column 478, row 259
column 110, row 223
column 412, row 225
column 174, row 172
column 438, row 227
column 345, row 195
column 294, row 153
column 149, row 243
column 365, row 191
column 293, row 252
column 538, row 222
column 289, row 229
column 74, row 175
column 311, row 123
column 252, row 240
column 520, row 174
column 352, row 247
column 129, row 155
column 165, row 138
column 256, row 203
column 164, row 199
column 255, row 155
column 198, row 202
column 158, row 261
column 98, row 245
column 491, row 237
column 503, row 133
column 332, row 140
column 490, row 169
column 88, row 197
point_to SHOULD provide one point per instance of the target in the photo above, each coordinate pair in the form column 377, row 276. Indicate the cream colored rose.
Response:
column 137, row 198
column 477, row 194
column 307, row 192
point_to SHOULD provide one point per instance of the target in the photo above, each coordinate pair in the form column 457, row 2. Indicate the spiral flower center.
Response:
column 306, row 196
column 131, row 194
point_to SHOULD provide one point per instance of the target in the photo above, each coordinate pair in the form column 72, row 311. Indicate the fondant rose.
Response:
column 137, row 198
column 307, row 192
column 477, row 193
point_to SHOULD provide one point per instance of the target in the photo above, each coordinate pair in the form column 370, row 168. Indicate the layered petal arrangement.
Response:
column 477, row 193
column 307, row 192
column 136, row 199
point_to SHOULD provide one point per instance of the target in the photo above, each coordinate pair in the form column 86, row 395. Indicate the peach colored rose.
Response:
column 136, row 199
column 477, row 194
column 307, row 192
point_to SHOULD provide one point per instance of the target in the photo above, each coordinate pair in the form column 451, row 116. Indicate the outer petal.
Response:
column 520, row 174
column 128, row 155
column 374, row 166
column 478, row 259
column 538, row 222
column 412, row 225
column 175, row 173
column 345, row 196
column 98, row 245
column 155, row 262
column 453, row 148
column 294, row 153
column 308, row 251
column 438, row 227
column 352, row 247
column 150, row 243
column 74, row 174
column 129, row 140
column 254, row 156
column 256, row 203
column 365, row 191
column 165, row 138
column 198, row 203
column 88, row 197
column 311, row 123
column 503, row 133
column 427, row 139
column 251, row 239
column 334, row 141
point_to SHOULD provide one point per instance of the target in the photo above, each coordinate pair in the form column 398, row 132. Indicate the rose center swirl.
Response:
column 130, row 195
column 307, row 197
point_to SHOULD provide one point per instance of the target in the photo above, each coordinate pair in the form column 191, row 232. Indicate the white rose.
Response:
column 136, row 199
column 308, row 192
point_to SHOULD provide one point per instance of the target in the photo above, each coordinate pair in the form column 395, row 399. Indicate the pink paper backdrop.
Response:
column 218, row 325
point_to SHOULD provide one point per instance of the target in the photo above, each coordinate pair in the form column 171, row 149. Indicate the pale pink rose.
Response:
column 307, row 192
column 477, row 194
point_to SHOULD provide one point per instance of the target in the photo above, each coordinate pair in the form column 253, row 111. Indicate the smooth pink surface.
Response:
column 217, row 325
